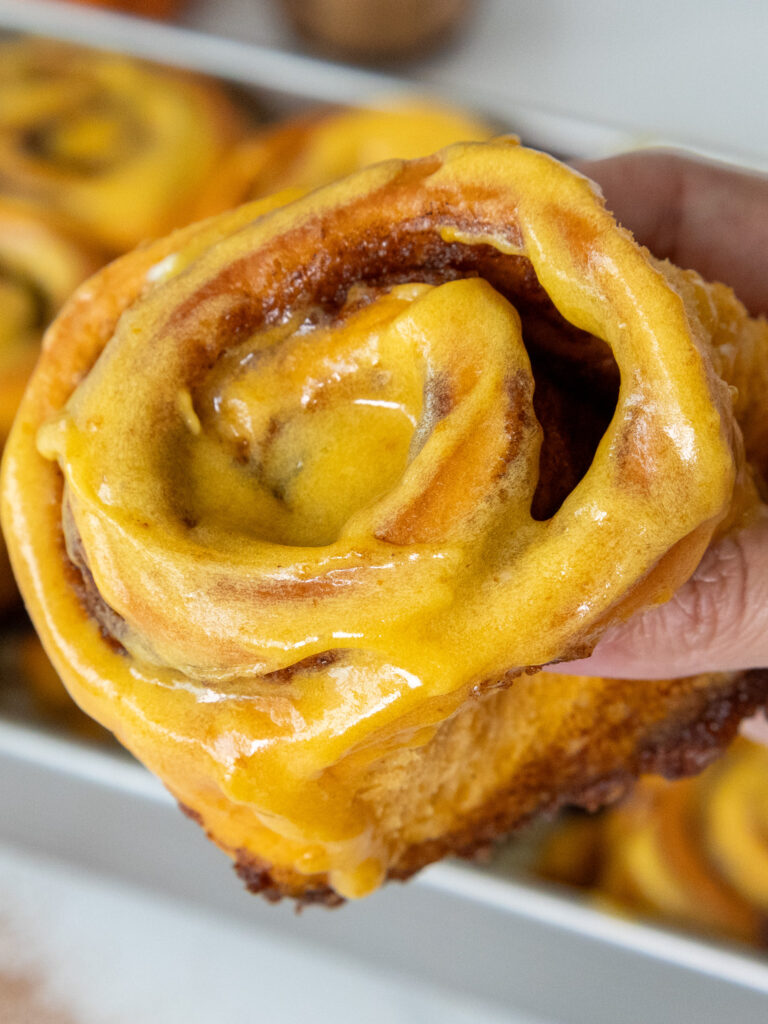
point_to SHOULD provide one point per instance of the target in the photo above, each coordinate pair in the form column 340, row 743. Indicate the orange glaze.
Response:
column 308, row 522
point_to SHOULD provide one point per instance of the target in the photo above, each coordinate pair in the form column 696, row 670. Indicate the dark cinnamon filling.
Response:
column 55, row 140
column 111, row 625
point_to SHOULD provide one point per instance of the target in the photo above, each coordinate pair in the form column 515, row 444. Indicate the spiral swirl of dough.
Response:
column 300, row 541
column 120, row 148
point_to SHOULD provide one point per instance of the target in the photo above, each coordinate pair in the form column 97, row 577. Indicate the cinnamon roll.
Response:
column 41, row 691
column 295, row 524
column 693, row 852
column 41, row 264
column 120, row 148
column 317, row 148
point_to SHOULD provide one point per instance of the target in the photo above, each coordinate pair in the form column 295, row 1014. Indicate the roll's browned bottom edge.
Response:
column 674, row 749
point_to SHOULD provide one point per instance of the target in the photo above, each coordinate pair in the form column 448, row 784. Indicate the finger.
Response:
column 717, row 622
column 700, row 215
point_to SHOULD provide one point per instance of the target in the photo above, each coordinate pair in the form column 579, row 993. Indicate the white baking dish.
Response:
column 477, row 930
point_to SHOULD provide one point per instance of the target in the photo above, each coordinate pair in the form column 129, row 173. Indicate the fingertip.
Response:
column 642, row 189
column 717, row 622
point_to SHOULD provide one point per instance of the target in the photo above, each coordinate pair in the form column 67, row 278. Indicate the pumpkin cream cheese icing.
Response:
column 300, row 498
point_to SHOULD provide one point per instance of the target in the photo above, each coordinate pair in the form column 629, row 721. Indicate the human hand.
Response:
column 715, row 220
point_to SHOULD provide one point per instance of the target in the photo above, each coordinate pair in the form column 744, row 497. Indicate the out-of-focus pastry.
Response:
column 143, row 8
column 120, row 148
column 29, row 666
column 306, row 564
column 376, row 29
column 317, row 148
column 692, row 852
column 41, row 264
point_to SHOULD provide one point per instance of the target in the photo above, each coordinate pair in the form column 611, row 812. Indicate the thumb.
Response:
column 716, row 622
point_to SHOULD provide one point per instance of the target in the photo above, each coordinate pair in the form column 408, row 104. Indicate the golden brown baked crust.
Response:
column 218, row 587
